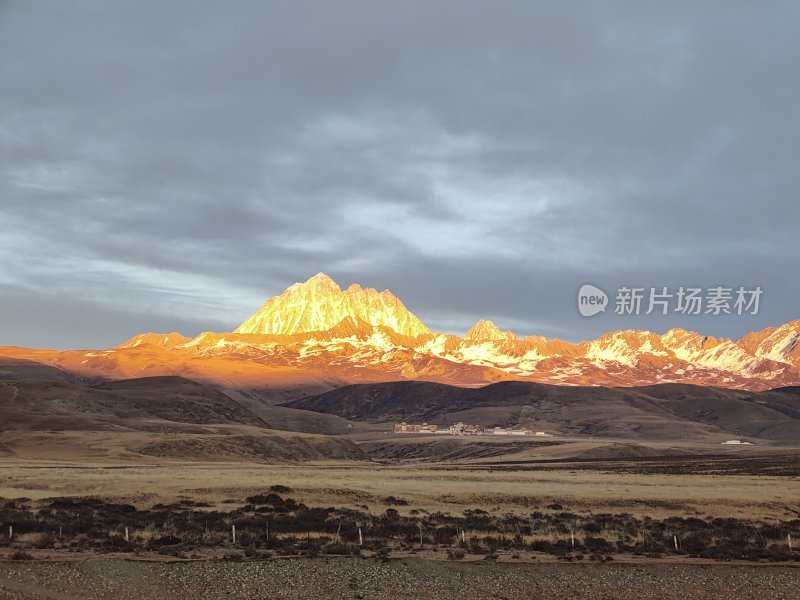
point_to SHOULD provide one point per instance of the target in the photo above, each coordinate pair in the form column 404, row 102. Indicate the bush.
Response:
column 456, row 554
column 394, row 501
column 166, row 540
column 340, row 549
column 271, row 498
column 598, row 544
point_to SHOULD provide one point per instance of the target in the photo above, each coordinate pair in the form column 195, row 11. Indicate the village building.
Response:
column 464, row 429
column 461, row 428
column 413, row 428
column 509, row 431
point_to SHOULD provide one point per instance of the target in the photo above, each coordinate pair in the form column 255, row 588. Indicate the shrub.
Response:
column 166, row 540
column 340, row 548
column 383, row 554
column 394, row 501
column 598, row 544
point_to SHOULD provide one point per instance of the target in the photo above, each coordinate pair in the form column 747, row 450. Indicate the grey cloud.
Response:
column 48, row 320
column 187, row 160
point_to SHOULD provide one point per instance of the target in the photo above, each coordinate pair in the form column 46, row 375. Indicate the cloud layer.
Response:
column 171, row 165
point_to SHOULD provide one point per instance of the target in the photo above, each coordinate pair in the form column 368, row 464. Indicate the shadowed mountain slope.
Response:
column 670, row 411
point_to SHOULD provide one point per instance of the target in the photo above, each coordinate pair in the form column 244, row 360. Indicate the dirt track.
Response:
column 337, row 578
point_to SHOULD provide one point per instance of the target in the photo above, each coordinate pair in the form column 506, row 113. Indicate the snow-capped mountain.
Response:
column 315, row 335
column 319, row 304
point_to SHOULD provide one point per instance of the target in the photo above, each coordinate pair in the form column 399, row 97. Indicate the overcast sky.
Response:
column 170, row 165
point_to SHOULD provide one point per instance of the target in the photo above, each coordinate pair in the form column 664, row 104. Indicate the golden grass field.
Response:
column 429, row 486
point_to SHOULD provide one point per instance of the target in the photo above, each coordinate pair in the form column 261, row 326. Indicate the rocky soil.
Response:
column 352, row 578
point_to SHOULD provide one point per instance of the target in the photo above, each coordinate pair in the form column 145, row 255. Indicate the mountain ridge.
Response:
column 316, row 336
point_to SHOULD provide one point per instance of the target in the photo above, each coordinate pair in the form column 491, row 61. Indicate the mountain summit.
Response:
column 317, row 335
column 485, row 330
column 319, row 304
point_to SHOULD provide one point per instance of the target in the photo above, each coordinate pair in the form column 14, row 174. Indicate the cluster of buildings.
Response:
column 411, row 428
column 464, row 429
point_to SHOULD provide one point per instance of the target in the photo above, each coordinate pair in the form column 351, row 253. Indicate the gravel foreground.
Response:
column 336, row 578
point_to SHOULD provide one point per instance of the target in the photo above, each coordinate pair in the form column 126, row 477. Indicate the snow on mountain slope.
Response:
column 164, row 340
column 780, row 344
column 317, row 308
column 315, row 332
column 486, row 330
column 319, row 304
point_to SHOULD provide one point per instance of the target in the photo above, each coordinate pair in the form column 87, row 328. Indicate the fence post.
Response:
column 420, row 535
column 675, row 541
column 572, row 535
column 10, row 532
column 127, row 538
column 233, row 533
column 360, row 539
column 789, row 539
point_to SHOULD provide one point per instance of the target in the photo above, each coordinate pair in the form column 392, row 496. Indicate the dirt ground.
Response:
column 348, row 578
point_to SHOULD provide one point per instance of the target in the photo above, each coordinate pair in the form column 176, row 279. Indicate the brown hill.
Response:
column 19, row 368
column 163, row 417
column 668, row 411
column 138, row 404
column 255, row 448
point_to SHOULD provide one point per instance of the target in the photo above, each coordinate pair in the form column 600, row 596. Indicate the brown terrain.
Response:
column 632, row 495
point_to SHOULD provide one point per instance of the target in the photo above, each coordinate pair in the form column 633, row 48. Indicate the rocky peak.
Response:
column 319, row 304
column 485, row 330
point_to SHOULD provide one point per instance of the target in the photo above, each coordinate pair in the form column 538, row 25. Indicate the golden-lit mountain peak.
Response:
column 485, row 330
column 321, row 279
column 318, row 281
column 316, row 332
column 162, row 340
column 319, row 304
